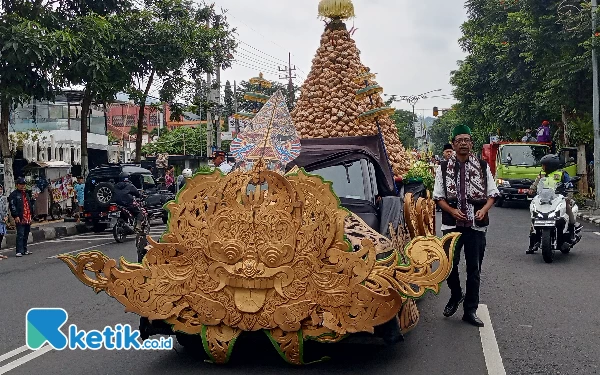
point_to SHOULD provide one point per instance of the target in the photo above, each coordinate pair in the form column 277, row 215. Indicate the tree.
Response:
column 441, row 130
column 406, row 129
column 526, row 62
column 169, row 41
column 228, row 110
column 97, row 65
column 246, row 87
column 31, row 44
column 183, row 140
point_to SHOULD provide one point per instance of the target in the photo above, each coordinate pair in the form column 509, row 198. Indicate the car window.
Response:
column 148, row 182
column 348, row 180
column 136, row 180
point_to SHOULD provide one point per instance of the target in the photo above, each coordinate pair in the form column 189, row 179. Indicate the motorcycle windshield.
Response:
column 546, row 192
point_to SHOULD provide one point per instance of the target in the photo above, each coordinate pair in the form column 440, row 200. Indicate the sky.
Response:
column 412, row 45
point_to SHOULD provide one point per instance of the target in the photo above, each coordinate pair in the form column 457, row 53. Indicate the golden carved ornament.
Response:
column 260, row 251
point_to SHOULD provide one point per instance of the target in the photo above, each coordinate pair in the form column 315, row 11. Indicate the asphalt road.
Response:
column 545, row 318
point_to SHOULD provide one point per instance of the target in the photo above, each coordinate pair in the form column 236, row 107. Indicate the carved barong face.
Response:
column 258, row 250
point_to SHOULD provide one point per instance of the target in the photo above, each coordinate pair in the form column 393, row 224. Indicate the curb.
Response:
column 40, row 234
column 593, row 219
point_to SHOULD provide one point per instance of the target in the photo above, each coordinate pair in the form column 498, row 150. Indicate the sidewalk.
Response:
column 45, row 231
column 591, row 216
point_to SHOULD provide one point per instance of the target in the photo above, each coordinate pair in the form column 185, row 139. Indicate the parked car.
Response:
column 99, row 193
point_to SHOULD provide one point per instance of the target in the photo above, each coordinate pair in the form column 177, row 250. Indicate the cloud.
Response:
column 412, row 45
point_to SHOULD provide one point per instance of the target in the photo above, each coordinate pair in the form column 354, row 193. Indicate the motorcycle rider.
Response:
column 182, row 179
column 554, row 176
column 125, row 194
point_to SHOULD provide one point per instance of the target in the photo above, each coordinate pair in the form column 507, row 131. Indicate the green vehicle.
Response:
column 516, row 165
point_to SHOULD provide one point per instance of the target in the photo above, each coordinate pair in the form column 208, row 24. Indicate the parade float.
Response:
column 276, row 247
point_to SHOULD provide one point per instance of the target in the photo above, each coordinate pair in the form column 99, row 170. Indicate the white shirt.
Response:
column 225, row 167
column 438, row 193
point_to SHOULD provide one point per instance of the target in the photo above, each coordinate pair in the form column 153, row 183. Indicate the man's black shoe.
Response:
column 473, row 319
column 452, row 306
column 531, row 251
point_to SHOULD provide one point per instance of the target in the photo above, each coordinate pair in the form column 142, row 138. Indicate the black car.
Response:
column 99, row 193
column 359, row 171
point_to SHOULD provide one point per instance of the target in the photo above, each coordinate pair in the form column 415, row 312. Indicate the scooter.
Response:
column 550, row 221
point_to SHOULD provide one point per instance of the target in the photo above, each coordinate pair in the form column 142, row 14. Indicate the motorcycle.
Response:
column 123, row 222
column 550, row 220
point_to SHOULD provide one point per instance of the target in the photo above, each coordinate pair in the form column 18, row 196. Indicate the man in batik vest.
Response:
column 465, row 190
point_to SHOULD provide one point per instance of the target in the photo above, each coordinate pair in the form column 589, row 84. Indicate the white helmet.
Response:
column 187, row 173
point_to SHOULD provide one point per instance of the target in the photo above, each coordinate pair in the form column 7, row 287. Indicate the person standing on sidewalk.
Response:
column 79, row 197
column 4, row 211
column 21, row 202
column 465, row 190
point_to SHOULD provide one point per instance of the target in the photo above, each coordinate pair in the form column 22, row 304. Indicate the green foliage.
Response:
column 112, row 138
column 204, row 169
column 404, row 121
column 420, row 171
column 173, row 142
column 228, row 107
column 526, row 61
column 440, row 132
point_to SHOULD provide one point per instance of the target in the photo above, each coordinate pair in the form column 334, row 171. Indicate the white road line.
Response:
column 78, row 250
column 24, row 359
column 598, row 233
column 491, row 352
column 78, row 238
column 13, row 353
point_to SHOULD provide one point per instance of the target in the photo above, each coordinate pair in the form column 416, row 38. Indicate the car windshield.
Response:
column 347, row 179
column 523, row 155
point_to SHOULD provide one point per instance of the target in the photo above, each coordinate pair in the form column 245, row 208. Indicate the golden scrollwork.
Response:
column 219, row 341
column 260, row 251
column 419, row 215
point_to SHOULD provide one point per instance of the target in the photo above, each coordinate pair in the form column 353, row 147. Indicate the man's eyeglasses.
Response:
column 462, row 140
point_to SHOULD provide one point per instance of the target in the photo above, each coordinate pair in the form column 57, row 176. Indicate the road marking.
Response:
column 78, row 250
column 155, row 232
column 598, row 233
column 13, row 353
column 491, row 352
column 24, row 359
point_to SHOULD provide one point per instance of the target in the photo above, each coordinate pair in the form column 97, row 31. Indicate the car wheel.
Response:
column 103, row 194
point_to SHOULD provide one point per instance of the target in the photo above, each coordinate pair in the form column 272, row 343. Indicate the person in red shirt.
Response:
column 21, row 203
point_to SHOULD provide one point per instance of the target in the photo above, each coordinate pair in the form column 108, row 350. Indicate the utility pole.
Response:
column 218, row 116
column 235, row 108
column 596, row 109
column 288, row 70
column 209, row 133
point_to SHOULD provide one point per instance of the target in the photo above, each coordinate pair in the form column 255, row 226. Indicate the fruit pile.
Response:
column 331, row 103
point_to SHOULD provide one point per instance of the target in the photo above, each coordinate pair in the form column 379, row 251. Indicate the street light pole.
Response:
column 596, row 109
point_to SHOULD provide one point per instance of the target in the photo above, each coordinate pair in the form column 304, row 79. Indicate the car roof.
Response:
column 116, row 170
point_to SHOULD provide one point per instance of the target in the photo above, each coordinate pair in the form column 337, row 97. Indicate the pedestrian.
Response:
column 20, row 202
column 528, row 137
column 465, row 190
column 4, row 211
column 220, row 161
column 448, row 151
column 170, row 179
column 79, row 198
column 543, row 133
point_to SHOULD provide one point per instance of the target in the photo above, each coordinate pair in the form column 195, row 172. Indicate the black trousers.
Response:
column 473, row 243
